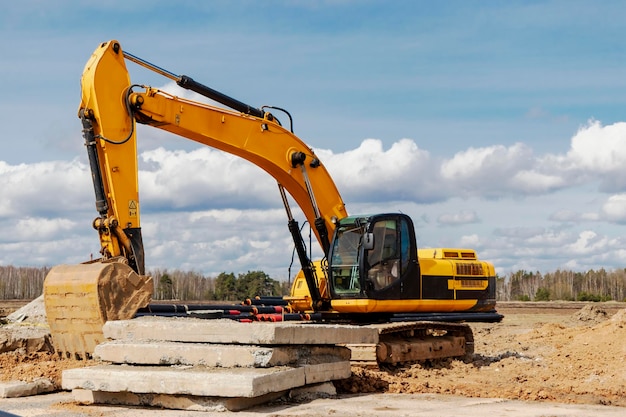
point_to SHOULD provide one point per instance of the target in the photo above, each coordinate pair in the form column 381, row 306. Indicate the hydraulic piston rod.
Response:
column 189, row 83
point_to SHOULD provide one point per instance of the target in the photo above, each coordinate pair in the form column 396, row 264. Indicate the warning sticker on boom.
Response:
column 132, row 208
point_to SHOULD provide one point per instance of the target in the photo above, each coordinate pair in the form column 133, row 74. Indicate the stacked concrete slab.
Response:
column 196, row 364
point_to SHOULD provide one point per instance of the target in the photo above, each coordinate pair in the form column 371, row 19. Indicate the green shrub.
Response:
column 542, row 294
column 585, row 296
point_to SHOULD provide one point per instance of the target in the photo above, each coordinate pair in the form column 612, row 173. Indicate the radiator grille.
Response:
column 472, row 268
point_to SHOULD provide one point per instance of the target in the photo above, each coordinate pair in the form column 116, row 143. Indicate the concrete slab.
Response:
column 15, row 389
column 324, row 372
column 198, row 381
column 312, row 392
column 194, row 403
column 216, row 355
column 175, row 402
column 30, row 338
column 233, row 332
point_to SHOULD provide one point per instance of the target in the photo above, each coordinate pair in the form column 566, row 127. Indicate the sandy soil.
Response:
column 19, row 365
column 549, row 354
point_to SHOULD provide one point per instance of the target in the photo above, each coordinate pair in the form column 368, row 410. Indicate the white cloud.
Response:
column 370, row 173
column 614, row 209
column 471, row 241
column 37, row 229
column 550, row 249
column 533, row 182
column 461, row 217
column 44, row 188
column 596, row 154
column 598, row 148
column 478, row 162
column 519, row 232
column 588, row 242
column 215, row 240
column 487, row 171
column 548, row 238
column 202, row 178
column 573, row 216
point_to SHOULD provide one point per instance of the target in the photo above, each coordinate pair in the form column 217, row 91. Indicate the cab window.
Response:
column 388, row 257
column 345, row 261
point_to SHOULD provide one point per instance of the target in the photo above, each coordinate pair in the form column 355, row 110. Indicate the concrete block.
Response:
column 14, row 389
column 324, row 372
column 363, row 352
column 198, row 381
column 28, row 338
column 175, row 402
column 313, row 391
column 233, row 332
column 215, row 355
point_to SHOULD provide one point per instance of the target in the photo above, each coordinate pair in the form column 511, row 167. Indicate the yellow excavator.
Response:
column 372, row 272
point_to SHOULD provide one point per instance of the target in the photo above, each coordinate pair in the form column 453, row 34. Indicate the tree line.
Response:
column 27, row 283
column 192, row 286
column 21, row 283
column 593, row 285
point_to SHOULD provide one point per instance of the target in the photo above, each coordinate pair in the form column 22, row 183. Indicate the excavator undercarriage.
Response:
column 408, row 342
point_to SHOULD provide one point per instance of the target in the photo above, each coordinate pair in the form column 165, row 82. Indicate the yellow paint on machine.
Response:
column 467, row 284
column 406, row 306
column 79, row 299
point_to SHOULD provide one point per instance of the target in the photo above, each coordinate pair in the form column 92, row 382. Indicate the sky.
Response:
column 497, row 126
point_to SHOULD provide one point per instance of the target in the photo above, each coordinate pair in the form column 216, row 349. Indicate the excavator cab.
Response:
column 374, row 257
column 375, row 266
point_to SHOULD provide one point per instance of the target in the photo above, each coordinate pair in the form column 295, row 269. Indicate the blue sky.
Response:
column 495, row 125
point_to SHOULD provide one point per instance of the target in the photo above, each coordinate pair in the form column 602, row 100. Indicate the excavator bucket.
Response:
column 79, row 299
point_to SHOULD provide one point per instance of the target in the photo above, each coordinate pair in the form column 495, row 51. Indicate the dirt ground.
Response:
column 538, row 354
column 555, row 352
column 19, row 365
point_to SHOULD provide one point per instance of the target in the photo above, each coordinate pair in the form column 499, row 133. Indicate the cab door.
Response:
column 389, row 264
